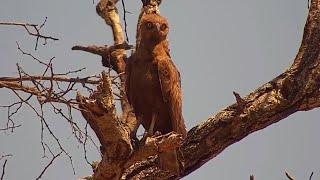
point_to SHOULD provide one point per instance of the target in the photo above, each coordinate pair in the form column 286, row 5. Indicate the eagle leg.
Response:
column 153, row 121
column 150, row 133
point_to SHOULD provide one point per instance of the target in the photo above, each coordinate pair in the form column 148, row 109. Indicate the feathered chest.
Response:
column 145, row 88
column 146, row 74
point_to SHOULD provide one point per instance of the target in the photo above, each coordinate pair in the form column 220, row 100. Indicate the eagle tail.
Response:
column 168, row 161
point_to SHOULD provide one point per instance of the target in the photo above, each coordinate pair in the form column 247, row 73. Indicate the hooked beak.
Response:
column 158, row 25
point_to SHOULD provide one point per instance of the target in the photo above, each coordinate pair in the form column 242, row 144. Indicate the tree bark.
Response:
column 296, row 89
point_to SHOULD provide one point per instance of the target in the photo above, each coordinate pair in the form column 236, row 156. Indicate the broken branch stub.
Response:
column 118, row 151
column 100, row 112
column 114, row 133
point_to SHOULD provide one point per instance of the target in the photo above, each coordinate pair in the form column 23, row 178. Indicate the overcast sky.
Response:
column 218, row 46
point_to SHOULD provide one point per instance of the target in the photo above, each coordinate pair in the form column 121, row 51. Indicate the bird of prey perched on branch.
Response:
column 153, row 86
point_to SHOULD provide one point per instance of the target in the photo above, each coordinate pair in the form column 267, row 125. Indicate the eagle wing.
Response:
column 170, row 83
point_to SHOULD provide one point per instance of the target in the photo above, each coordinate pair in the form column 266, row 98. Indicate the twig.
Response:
column 4, row 156
column 311, row 176
column 84, row 145
column 124, row 19
column 289, row 177
column 240, row 102
column 85, row 80
column 44, row 170
column 35, row 27
column 251, row 177
column 3, row 169
column 10, row 127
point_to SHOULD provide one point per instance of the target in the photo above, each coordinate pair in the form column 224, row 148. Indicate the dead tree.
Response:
column 296, row 89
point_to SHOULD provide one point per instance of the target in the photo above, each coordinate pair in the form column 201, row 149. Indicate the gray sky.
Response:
column 218, row 46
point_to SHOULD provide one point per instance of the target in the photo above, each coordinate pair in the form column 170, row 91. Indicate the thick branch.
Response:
column 114, row 57
column 110, row 55
column 100, row 113
column 115, row 136
column 103, row 50
column 294, row 90
column 153, row 146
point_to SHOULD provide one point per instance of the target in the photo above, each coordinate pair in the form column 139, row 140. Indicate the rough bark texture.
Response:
column 297, row 89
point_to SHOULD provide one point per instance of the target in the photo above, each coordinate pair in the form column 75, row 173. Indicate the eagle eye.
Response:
column 163, row 27
column 149, row 25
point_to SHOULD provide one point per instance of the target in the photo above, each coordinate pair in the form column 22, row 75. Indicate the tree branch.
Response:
column 100, row 113
column 85, row 80
column 35, row 27
column 297, row 89
column 3, row 169
column 289, row 176
column 153, row 146
column 294, row 90
column 114, row 56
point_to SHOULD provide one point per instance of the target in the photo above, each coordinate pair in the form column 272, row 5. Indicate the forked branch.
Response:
column 294, row 90
column 35, row 32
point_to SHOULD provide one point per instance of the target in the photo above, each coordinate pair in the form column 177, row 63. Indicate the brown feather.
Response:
column 153, row 86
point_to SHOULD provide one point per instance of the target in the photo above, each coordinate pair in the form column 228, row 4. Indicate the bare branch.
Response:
column 155, row 145
column 289, row 177
column 311, row 176
column 311, row 102
column 240, row 102
column 3, row 169
column 85, row 80
column 50, row 163
column 110, row 55
column 5, row 156
column 18, row 87
column 103, row 50
column 294, row 90
column 107, row 10
column 100, row 113
column 124, row 19
column 47, row 89
column 10, row 127
column 4, row 164
column 35, row 28
column 251, row 177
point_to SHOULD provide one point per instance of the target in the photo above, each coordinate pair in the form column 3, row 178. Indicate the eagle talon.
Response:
column 135, row 141
column 156, row 134
column 144, row 138
column 146, row 135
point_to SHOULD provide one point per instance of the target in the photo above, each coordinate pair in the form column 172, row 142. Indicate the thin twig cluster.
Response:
column 32, row 30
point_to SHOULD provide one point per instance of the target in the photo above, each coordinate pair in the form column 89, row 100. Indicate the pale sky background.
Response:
column 218, row 46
